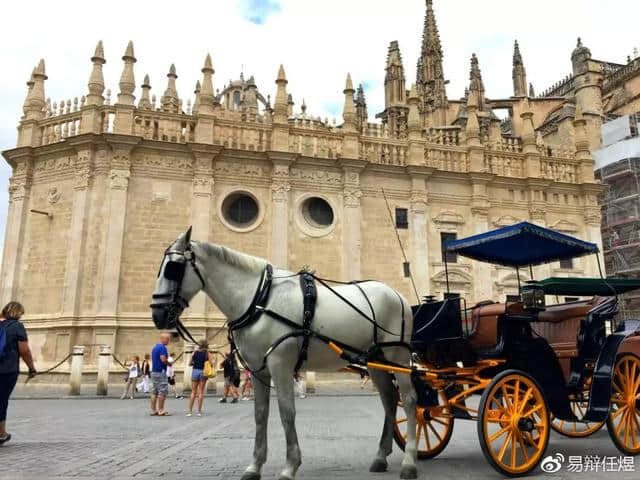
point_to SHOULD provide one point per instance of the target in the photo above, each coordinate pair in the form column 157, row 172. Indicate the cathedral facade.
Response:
column 101, row 186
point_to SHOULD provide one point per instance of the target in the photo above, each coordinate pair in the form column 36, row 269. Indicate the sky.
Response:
column 317, row 41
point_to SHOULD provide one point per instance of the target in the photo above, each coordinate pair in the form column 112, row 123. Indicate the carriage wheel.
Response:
column 577, row 429
column 623, row 422
column 513, row 423
column 434, row 426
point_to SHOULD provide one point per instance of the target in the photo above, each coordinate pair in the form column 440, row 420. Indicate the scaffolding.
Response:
column 620, row 203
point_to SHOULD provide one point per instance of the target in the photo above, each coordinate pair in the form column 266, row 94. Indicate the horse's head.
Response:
column 179, row 279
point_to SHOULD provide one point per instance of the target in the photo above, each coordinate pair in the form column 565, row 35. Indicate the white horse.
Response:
column 231, row 280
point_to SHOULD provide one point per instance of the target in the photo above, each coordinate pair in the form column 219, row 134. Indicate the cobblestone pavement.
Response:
column 114, row 439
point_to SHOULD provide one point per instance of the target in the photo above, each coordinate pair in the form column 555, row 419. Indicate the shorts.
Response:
column 197, row 375
column 228, row 382
column 160, row 384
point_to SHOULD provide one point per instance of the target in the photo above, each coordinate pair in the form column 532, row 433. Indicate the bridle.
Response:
column 174, row 271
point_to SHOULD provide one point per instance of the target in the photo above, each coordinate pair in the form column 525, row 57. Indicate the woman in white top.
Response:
column 134, row 371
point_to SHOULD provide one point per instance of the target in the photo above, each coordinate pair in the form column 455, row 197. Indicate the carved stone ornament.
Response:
column 448, row 219
column 505, row 221
column 565, row 226
column 352, row 197
column 480, row 211
column 119, row 179
column 280, row 171
column 202, row 186
column 592, row 216
column 17, row 190
column 82, row 178
column 537, row 213
column 53, row 195
column 280, row 191
column 418, row 201
column 238, row 169
column 456, row 277
column 316, row 176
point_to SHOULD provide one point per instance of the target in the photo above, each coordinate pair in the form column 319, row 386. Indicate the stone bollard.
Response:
column 104, row 361
column 219, row 388
column 186, row 379
column 311, row 382
column 75, row 377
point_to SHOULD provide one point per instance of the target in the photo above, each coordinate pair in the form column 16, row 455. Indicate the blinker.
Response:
column 174, row 271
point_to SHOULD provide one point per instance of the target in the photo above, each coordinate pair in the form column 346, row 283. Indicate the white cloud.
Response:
column 317, row 41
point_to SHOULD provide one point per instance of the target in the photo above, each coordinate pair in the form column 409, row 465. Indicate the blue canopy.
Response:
column 520, row 245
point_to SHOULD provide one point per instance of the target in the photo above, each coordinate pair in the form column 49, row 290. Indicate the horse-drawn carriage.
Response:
column 570, row 367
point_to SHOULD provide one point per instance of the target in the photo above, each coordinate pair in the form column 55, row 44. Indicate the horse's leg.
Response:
column 283, row 380
column 387, row 391
column 409, row 400
column 262, row 391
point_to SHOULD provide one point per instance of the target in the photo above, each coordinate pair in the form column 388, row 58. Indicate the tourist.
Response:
column 171, row 375
column 229, row 367
column 143, row 386
column 132, row 377
column 160, row 384
column 199, row 378
column 13, row 346
column 299, row 387
column 246, row 386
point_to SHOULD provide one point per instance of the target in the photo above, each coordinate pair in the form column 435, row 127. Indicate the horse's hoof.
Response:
column 408, row 472
column 379, row 465
column 250, row 476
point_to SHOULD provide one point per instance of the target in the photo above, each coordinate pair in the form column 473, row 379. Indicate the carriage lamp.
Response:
column 533, row 297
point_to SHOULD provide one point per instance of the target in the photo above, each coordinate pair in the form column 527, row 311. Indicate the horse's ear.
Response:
column 187, row 235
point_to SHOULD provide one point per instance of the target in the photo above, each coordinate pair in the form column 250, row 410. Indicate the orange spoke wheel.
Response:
column 513, row 423
column 434, row 426
column 623, row 422
column 577, row 429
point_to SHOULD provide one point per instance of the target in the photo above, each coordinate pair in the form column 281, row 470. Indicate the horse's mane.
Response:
column 242, row 260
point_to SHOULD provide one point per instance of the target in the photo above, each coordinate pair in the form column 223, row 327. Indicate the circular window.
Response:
column 317, row 212
column 240, row 210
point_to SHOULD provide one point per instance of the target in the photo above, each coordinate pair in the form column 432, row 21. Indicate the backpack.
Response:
column 3, row 340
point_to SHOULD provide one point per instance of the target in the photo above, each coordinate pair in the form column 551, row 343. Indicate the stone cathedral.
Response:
column 101, row 186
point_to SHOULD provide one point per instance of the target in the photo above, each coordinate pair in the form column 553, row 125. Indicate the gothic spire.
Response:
column 519, row 73
column 430, row 62
column 394, row 80
column 348, row 111
column 362, row 115
column 475, row 82
column 196, row 101
column 169, row 100
column 96, row 80
column 35, row 101
column 127, row 80
column 206, row 97
column 281, row 104
column 145, row 100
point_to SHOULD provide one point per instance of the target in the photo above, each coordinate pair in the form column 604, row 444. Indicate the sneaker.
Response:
column 244, row 399
column 235, row 400
column 178, row 397
column 5, row 439
column 131, row 397
column 189, row 414
column 222, row 400
column 199, row 414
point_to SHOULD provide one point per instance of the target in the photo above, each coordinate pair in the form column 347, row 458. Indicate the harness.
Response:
column 174, row 271
column 174, row 304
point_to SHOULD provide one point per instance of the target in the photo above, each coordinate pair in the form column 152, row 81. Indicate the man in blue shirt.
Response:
column 159, row 361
